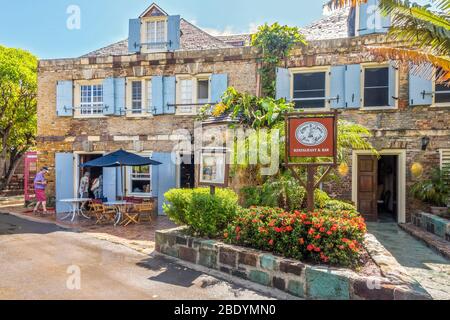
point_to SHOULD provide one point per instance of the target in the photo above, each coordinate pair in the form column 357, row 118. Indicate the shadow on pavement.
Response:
column 10, row 225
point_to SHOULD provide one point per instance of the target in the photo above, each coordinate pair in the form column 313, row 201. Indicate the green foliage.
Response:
column 18, row 119
column 275, row 42
column 436, row 190
column 206, row 215
column 249, row 110
column 325, row 236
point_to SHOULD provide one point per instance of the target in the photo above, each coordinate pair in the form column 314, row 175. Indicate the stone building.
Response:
column 142, row 95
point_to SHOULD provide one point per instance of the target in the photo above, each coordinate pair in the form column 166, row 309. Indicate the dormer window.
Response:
column 154, row 31
column 156, row 35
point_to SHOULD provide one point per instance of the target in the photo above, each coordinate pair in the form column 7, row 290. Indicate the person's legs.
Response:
column 44, row 206
column 36, row 207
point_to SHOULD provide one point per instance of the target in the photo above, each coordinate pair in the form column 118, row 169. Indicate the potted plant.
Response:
column 434, row 191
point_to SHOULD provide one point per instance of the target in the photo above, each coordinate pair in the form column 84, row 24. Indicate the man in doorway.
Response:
column 40, row 184
column 83, row 191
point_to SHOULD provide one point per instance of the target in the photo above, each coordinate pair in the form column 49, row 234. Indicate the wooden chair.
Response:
column 101, row 213
column 145, row 210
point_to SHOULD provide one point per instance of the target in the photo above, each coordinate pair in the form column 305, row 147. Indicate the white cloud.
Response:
column 231, row 30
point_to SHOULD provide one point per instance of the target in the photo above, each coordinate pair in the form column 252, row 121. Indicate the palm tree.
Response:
column 423, row 29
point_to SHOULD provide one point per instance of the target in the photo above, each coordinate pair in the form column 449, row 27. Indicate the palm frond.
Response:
column 420, row 59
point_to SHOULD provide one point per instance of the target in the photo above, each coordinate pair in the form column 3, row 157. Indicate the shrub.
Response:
column 206, row 215
column 324, row 236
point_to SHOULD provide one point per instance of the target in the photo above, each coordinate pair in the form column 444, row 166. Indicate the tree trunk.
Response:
column 13, row 164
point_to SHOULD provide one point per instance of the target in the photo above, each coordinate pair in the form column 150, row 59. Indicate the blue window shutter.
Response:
column 134, row 36
column 337, row 87
column 393, row 94
column 64, row 181
column 283, row 85
column 364, row 15
column 166, row 177
column 170, row 95
column 108, row 96
column 119, row 186
column 64, row 98
column 219, row 84
column 173, row 33
column 110, row 183
column 119, row 96
column 353, row 86
column 157, row 95
column 420, row 90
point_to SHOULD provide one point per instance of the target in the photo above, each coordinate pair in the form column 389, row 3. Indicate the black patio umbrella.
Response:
column 121, row 158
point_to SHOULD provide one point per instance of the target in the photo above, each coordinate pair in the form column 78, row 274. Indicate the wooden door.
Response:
column 367, row 187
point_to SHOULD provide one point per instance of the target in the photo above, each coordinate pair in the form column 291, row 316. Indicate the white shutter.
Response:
column 445, row 162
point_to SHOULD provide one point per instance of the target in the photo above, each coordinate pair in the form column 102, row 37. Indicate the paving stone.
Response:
column 188, row 254
column 239, row 274
column 367, row 290
column 208, row 258
column 268, row 262
column 279, row 283
column 248, row 258
column 228, row 256
column 295, row 268
column 322, row 284
column 260, row 277
column 296, row 288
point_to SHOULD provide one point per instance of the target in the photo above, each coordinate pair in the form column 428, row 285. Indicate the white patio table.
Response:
column 77, row 207
column 120, row 207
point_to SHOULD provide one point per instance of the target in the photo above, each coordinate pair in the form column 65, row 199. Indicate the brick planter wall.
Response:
column 293, row 277
column 436, row 225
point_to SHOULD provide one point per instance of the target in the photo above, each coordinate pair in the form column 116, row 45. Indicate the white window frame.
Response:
column 376, row 65
column 195, row 79
column 144, row 33
column 327, row 71
column 434, row 103
column 129, row 181
column 146, row 108
column 77, row 98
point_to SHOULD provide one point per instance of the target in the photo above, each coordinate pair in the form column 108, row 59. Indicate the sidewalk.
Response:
column 138, row 237
column 426, row 266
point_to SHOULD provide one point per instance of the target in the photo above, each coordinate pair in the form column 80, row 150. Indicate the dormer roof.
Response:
column 153, row 11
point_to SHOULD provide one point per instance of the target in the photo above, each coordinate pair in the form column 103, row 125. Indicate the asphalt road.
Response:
column 42, row 261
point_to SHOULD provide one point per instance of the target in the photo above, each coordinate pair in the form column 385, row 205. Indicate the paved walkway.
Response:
column 429, row 268
column 43, row 261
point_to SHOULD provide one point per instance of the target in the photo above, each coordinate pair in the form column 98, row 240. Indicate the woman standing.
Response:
column 39, row 188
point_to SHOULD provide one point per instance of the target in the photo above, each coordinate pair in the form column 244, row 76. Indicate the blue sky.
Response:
column 40, row 26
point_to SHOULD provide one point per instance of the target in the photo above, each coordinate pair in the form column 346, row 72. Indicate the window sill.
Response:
column 99, row 116
column 378, row 108
column 143, row 116
column 441, row 105
column 140, row 195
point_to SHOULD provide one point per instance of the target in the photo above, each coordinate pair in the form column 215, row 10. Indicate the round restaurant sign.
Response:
column 311, row 134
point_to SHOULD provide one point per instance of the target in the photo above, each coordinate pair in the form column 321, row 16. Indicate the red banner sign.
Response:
column 312, row 137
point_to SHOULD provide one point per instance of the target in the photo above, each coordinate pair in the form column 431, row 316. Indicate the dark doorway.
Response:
column 387, row 191
column 95, row 173
column 187, row 172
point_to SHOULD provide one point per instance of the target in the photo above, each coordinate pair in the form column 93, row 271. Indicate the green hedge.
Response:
column 206, row 215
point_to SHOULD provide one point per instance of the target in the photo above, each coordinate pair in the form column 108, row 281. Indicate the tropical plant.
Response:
column 424, row 28
column 435, row 190
column 248, row 109
column 275, row 42
column 18, row 119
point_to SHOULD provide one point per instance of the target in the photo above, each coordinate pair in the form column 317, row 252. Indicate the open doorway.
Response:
column 95, row 173
column 186, row 171
column 379, row 185
column 387, row 195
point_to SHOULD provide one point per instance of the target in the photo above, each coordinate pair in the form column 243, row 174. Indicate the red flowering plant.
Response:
column 325, row 236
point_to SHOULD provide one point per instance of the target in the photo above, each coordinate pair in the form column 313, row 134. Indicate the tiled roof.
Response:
column 333, row 26
column 237, row 40
column 192, row 38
